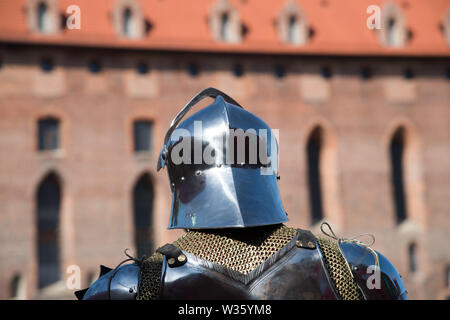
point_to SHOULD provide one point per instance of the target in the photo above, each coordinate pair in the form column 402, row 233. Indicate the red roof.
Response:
column 339, row 26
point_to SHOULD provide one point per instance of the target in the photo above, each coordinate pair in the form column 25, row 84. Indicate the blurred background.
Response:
column 88, row 90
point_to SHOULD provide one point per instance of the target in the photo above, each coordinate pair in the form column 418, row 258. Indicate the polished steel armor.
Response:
column 231, row 260
column 221, row 193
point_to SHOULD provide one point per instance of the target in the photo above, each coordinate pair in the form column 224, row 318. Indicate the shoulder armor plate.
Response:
column 117, row 284
column 386, row 284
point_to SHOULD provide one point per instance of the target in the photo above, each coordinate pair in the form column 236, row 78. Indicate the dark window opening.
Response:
column 238, row 70
column 397, row 149
column 143, row 209
column 292, row 29
column 42, row 17
column 412, row 251
column 314, row 182
column 142, row 68
column 391, row 31
column 447, row 277
column 326, row 72
column 15, row 286
column 279, row 71
column 366, row 73
column 48, row 134
column 48, row 221
column 143, row 135
column 127, row 19
column 46, row 64
column 224, row 26
column 193, row 69
column 95, row 66
column 408, row 74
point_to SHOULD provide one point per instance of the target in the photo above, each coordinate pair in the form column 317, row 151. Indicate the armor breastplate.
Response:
column 297, row 271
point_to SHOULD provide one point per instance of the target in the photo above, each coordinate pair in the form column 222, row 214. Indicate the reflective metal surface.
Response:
column 220, row 193
column 360, row 258
column 123, row 284
column 297, row 274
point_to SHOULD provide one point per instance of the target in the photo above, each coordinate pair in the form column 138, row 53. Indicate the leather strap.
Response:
column 175, row 257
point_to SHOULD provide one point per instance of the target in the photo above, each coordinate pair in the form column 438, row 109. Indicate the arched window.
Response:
column 43, row 18
column 225, row 22
column 128, row 19
column 225, row 26
column 391, row 31
column 447, row 277
column 16, row 290
column 292, row 25
column 412, row 254
column 292, row 29
column 394, row 32
column 127, row 24
column 397, row 154
column 313, row 150
column 143, row 213
column 48, row 134
column 48, row 203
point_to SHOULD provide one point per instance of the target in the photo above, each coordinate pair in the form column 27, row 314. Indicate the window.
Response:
column 394, row 32
column 16, row 287
column 143, row 212
column 238, row 70
column 128, row 19
column 48, row 134
column 142, row 68
column 193, row 69
column 447, row 277
column 408, row 74
column 366, row 73
column 43, row 18
column 397, row 150
column 292, row 30
column 313, row 151
column 48, row 200
column 292, row 26
column 95, row 66
column 225, row 27
column 143, row 135
column 326, row 72
column 412, row 253
column 225, row 22
column 279, row 71
column 46, row 64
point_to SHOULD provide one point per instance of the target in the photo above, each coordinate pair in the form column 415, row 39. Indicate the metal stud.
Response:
column 171, row 261
column 181, row 258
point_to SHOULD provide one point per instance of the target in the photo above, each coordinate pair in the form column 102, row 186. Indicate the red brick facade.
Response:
column 97, row 167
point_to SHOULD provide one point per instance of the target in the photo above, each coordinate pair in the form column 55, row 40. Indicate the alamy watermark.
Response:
column 235, row 148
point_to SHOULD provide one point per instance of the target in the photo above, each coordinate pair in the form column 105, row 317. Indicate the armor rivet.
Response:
column 182, row 178
column 299, row 243
column 355, row 268
column 311, row 245
column 198, row 172
column 131, row 290
column 181, row 258
column 171, row 261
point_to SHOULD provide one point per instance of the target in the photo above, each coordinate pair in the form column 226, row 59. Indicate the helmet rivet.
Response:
column 181, row 258
column 171, row 261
